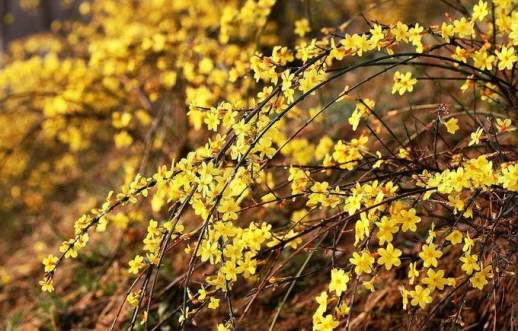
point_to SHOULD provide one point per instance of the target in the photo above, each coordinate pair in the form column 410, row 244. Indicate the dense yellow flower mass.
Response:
column 297, row 152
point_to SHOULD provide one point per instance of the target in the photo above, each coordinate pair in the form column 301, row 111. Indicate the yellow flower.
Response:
column 461, row 55
column 420, row 296
column 468, row 244
column 357, row 44
column 347, row 153
column 463, row 28
column 455, row 237
column 311, row 78
column 362, row 109
column 431, row 234
column 230, row 271
column 133, row 299
column 400, row 31
column 202, row 294
column 403, row 82
column 121, row 120
column 361, row 228
column 222, row 327
column 321, row 299
column 354, row 119
column 513, row 36
column 50, row 263
column 480, row 11
column 123, row 139
column 504, row 125
column 213, row 303
column 480, row 279
column 404, row 295
column 386, row 228
column 339, row 280
column 324, row 147
column 206, row 65
column 342, row 310
column 5, row 278
column 302, row 27
column 475, row 137
column 287, row 79
column 429, row 254
column 506, row 58
column 218, row 282
column 325, row 323
column 451, row 125
column 469, row 263
column 229, row 208
column 482, row 60
column 509, row 177
column 212, row 119
column 136, row 264
column 336, row 52
column 362, row 262
column 446, row 31
column 408, row 220
column 413, row 273
column 376, row 34
column 434, row 279
column 389, row 257
column 369, row 285
column 414, row 36
column 404, row 153
column 248, row 265
column 456, row 202
column 169, row 78
column 282, row 55
column 46, row 285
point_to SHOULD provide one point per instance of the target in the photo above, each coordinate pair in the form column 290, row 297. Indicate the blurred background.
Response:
column 23, row 17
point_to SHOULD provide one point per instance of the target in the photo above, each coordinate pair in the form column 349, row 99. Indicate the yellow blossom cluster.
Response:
column 359, row 187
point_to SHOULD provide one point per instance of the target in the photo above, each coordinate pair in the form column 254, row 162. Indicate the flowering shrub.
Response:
column 347, row 157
